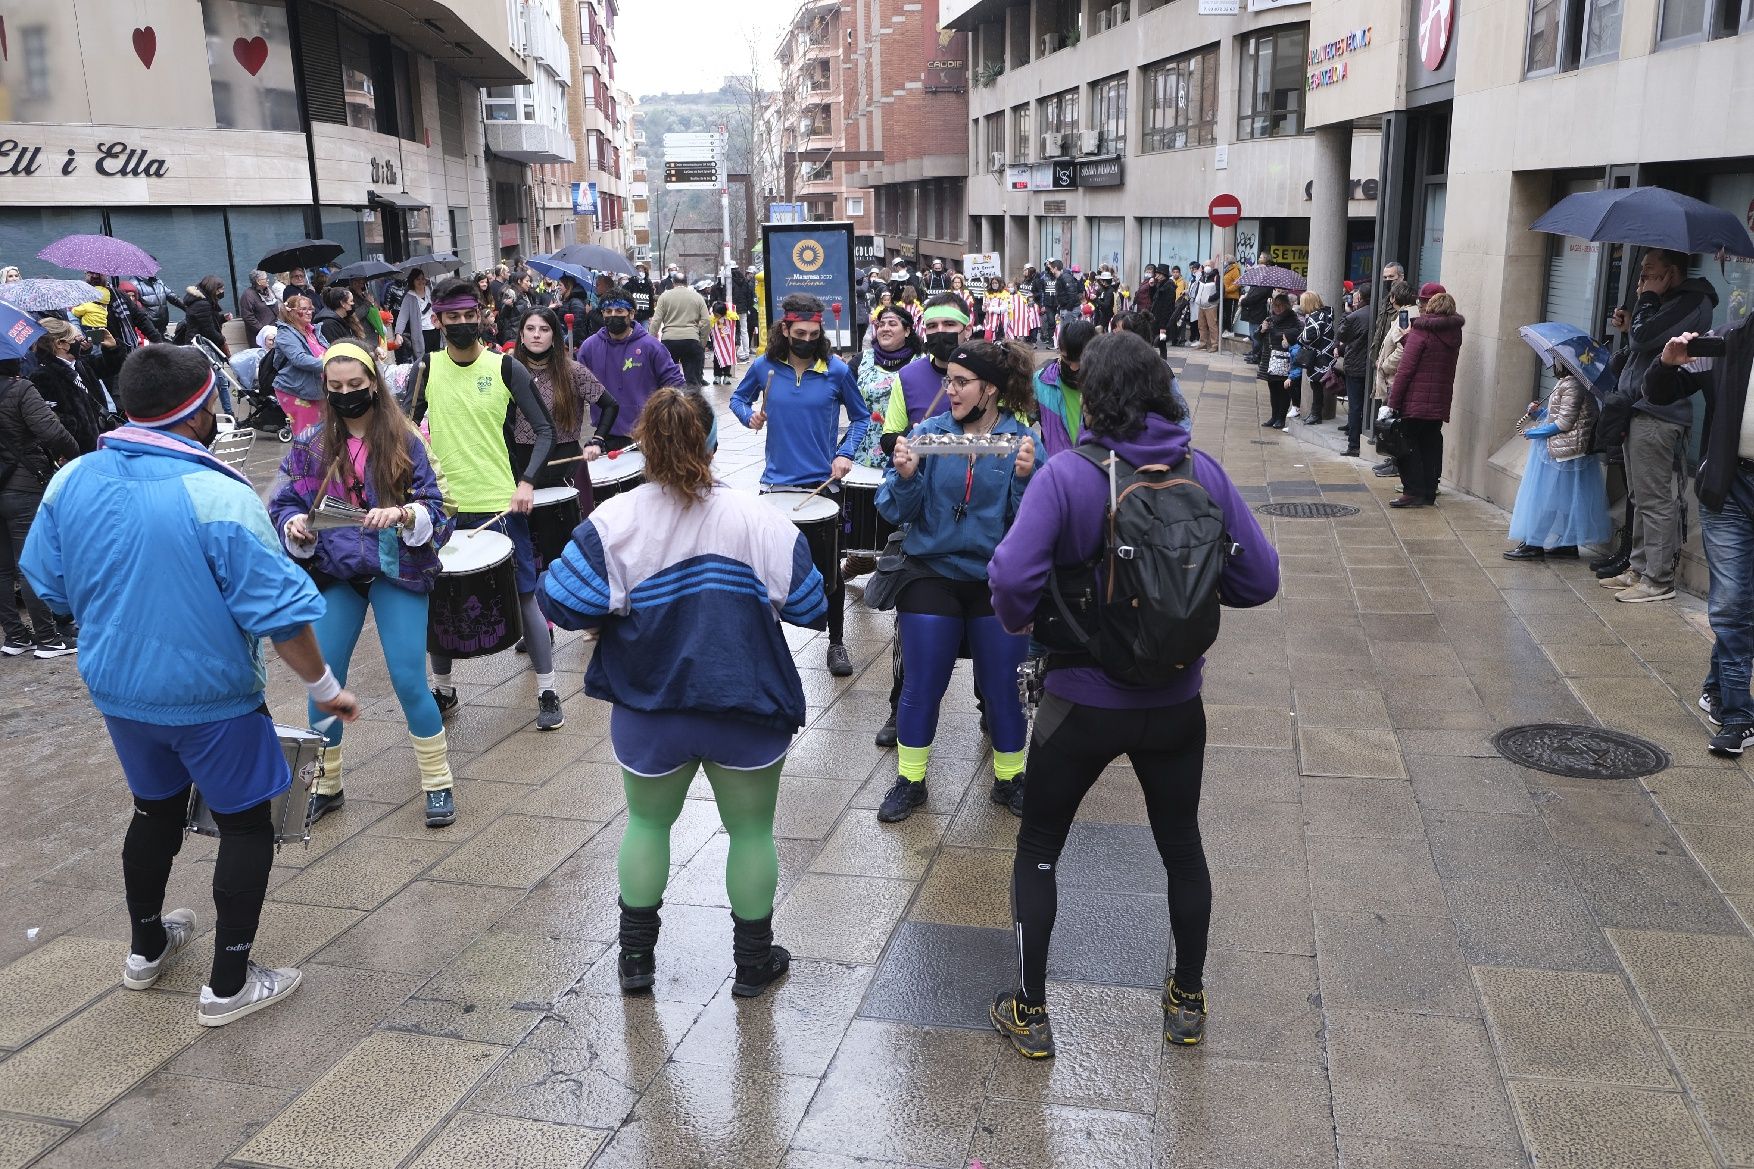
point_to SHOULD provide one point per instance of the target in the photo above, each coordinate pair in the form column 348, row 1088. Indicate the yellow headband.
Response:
column 352, row 352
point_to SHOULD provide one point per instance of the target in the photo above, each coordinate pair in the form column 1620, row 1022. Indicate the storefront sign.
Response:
column 1436, row 18
column 1017, row 177
column 1292, row 256
column 1053, row 207
column 1220, row 7
column 867, row 250
column 1360, row 190
column 1063, row 176
column 109, row 159
column 1100, row 172
column 946, row 59
column 1328, row 64
column 383, row 173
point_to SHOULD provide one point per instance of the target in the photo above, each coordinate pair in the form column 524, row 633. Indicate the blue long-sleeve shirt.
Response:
column 957, row 548
column 803, row 417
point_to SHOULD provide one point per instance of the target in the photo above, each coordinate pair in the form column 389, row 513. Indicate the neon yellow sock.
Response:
column 910, row 762
column 1007, row 764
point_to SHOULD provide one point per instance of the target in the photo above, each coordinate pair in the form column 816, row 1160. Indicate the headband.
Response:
column 990, row 372
column 180, row 413
column 347, row 350
column 608, row 302
column 456, row 304
column 817, row 317
column 944, row 312
column 899, row 312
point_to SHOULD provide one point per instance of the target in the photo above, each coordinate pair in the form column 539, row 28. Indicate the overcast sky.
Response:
column 689, row 46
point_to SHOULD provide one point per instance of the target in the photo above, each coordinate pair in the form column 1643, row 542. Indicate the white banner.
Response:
column 982, row 265
column 1220, row 7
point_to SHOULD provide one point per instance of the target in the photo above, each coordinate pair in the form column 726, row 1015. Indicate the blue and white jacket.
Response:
column 986, row 494
column 174, row 572
column 689, row 596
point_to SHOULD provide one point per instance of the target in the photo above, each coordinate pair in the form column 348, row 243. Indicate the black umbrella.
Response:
column 364, row 270
column 306, row 253
column 594, row 256
column 1654, row 217
column 432, row 263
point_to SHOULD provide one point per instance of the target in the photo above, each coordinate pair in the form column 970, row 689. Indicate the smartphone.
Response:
column 1707, row 347
column 1405, row 319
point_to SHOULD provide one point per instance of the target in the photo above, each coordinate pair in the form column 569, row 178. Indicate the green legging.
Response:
column 746, row 802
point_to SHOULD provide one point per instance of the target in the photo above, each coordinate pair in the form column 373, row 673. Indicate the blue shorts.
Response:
column 653, row 743
column 236, row 762
column 523, row 549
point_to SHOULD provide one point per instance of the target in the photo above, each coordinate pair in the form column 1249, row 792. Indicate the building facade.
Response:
column 812, row 107
column 1101, row 133
column 601, row 126
column 210, row 131
column 906, row 96
column 529, row 145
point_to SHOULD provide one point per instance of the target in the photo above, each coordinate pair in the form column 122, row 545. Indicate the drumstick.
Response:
column 632, row 446
column 764, row 390
column 813, row 494
column 502, row 515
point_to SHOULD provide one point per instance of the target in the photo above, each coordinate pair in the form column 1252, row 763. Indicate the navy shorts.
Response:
column 523, row 548
column 236, row 762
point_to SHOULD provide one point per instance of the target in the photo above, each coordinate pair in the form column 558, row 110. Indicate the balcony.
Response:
column 529, row 142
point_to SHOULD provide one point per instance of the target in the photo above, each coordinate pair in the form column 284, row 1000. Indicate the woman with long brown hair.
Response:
column 570, row 391
column 365, row 453
column 687, row 582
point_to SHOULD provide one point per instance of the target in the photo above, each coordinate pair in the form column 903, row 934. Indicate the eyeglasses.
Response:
column 961, row 383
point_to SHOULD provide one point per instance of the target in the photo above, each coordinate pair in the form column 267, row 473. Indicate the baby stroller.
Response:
column 265, row 414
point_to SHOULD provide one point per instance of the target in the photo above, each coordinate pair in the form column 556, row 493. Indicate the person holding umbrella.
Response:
column 32, row 444
column 1562, row 501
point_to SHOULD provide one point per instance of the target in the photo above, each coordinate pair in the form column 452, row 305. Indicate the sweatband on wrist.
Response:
column 324, row 689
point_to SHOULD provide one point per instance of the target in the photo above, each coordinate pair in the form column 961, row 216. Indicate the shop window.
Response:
column 249, row 60
column 1108, row 114
column 1273, row 80
column 25, row 231
column 1686, row 21
column 41, row 78
column 188, row 241
column 1020, row 144
column 1177, row 242
column 359, row 90
column 256, row 231
column 1181, row 102
column 1564, row 34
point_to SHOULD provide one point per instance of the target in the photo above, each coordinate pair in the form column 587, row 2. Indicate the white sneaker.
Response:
column 262, row 987
column 179, row 930
column 1293, row 412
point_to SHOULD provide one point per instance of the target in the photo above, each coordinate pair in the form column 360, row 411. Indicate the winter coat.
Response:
column 32, row 439
column 1724, row 383
column 80, row 410
column 334, row 328
column 1354, row 339
column 301, row 370
column 953, row 521
column 1388, row 351
column 631, row 367
column 680, row 315
column 204, row 318
column 1318, row 342
column 1572, row 408
column 156, row 297
column 412, row 321
column 1687, row 309
column 1255, row 304
column 259, row 310
column 1425, row 383
column 1279, row 331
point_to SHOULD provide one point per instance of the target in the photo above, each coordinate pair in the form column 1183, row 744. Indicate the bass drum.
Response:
column 474, row 607
column 553, row 518
column 617, row 474
column 866, row 529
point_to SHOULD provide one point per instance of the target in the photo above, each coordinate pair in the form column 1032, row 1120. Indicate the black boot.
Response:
column 1620, row 559
column 759, row 961
column 1526, row 552
column 639, row 938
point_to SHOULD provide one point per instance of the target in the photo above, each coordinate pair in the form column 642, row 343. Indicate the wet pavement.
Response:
column 1422, row 955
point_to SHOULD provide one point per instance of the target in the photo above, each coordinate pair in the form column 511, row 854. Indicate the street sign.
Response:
column 691, row 174
column 1224, row 211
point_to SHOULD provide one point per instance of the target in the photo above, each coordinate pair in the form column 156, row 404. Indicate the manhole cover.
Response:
column 1580, row 752
column 1306, row 511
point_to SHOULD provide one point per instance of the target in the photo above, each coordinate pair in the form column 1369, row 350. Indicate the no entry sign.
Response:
column 1224, row 211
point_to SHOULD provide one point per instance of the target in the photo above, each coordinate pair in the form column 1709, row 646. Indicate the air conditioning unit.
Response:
column 996, row 161
column 1117, row 15
column 1090, row 142
column 1051, row 42
column 1053, row 146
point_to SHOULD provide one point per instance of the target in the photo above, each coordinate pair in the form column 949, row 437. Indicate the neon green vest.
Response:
column 466, row 412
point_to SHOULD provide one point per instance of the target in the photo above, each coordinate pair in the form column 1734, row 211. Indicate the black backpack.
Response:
column 1146, row 607
column 267, row 369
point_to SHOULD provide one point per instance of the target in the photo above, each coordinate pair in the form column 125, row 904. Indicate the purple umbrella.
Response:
column 1272, row 276
column 100, row 253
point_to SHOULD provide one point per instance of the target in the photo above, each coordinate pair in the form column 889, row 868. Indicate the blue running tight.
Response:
column 401, row 618
column 935, row 614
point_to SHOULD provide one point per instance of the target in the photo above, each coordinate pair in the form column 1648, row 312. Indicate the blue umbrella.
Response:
column 18, row 332
column 558, row 268
column 1557, row 343
column 1655, row 217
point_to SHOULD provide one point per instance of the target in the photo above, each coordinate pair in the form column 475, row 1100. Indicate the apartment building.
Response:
column 529, row 144
column 811, row 105
column 601, row 125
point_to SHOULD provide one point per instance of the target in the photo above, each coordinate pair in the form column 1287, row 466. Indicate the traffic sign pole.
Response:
column 1225, row 211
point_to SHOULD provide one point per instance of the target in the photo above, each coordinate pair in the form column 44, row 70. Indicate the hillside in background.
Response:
column 686, row 224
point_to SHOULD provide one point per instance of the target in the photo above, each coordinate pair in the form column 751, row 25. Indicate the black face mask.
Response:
column 1068, row 376
column 206, row 440
column 616, row 325
column 974, row 415
column 813, row 350
column 941, row 346
column 353, row 403
column 463, row 336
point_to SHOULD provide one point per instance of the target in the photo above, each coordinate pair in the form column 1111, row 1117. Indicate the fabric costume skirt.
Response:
column 1561, row 505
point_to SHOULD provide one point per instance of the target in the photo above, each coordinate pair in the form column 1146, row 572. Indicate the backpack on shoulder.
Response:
column 1146, row 606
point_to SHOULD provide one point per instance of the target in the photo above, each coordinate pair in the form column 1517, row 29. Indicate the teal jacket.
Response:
column 171, row 566
column 955, row 548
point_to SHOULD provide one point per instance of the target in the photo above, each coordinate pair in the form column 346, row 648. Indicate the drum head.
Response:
column 867, row 477
column 550, row 496
column 474, row 551
column 801, row 508
column 626, row 465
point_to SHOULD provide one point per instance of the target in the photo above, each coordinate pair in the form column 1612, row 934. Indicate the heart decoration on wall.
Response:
column 252, row 53
column 146, row 45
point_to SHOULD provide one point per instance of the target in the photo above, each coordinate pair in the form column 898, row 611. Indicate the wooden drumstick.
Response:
column 764, row 389
column 813, row 494
column 502, row 515
column 632, row 446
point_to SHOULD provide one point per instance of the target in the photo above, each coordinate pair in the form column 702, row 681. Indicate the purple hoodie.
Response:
column 1060, row 522
column 630, row 367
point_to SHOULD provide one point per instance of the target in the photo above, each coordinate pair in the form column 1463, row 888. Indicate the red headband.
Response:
column 817, row 317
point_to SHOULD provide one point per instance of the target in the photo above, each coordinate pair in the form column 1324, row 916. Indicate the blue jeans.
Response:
column 1728, row 536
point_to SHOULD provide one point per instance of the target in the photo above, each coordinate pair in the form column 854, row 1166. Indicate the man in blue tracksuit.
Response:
column 798, row 390
column 171, row 566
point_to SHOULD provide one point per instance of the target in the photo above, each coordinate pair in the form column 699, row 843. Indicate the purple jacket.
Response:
column 1060, row 523
column 922, row 384
column 630, row 367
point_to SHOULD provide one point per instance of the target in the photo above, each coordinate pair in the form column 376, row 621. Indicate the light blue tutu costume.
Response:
column 1561, row 502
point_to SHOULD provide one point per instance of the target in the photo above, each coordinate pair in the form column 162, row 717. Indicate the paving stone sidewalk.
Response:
column 1423, row 956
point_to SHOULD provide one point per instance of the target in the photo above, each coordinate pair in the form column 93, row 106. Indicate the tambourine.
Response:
column 965, row 444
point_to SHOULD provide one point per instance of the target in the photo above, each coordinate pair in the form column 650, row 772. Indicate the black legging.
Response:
column 1071, row 746
column 1279, row 397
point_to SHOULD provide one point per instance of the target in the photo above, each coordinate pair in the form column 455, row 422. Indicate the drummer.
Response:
column 571, row 392
column 805, row 408
column 170, row 564
column 366, row 454
column 470, row 396
column 944, row 325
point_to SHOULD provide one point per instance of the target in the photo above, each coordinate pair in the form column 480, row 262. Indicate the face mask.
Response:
column 463, row 336
column 206, row 440
column 616, row 325
column 352, row 404
column 812, row 350
column 978, row 412
column 1068, row 376
column 941, row 346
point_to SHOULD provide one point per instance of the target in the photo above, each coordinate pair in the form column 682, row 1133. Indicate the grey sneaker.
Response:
column 549, row 716
column 179, row 931
column 262, row 987
column 1646, row 590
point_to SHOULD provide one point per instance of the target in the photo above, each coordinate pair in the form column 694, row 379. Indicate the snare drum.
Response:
column 553, row 517
column 303, row 751
column 866, row 529
column 818, row 517
column 618, row 475
column 474, row 610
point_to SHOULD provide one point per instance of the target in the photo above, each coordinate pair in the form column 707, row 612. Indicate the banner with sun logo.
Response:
column 813, row 258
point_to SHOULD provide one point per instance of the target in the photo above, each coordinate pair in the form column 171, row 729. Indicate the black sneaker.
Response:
column 1713, row 706
column 446, row 697
column 441, row 808
column 1026, row 1027
column 902, row 799
column 1733, row 739
column 886, row 734
column 636, row 971
column 549, row 716
column 840, row 662
column 17, row 645
column 751, row 981
column 1385, row 469
column 1008, row 793
column 1184, row 1015
column 322, row 805
column 55, row 647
